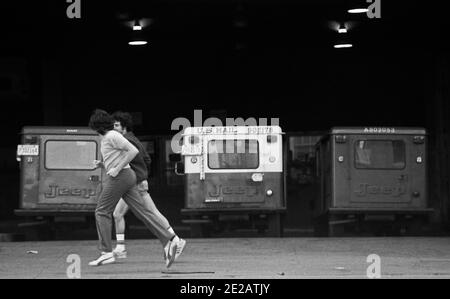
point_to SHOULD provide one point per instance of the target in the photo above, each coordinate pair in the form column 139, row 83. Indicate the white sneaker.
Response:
column 166, row 251
column 120, row 253
column 170, row 251
column 180, row 248
column 105, row 258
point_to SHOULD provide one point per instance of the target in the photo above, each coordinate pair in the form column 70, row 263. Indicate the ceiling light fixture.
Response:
column 341, row 46
column 137, row 43
column 342, row 42
column 137, row 39
column 137, row 26
column 358, row 10
column 342, row 28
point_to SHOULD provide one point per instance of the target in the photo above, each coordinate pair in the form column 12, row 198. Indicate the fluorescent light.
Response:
column 358, row 10
column 342, row 30
column 339, row 46
column 137, row 43
column 137, row 26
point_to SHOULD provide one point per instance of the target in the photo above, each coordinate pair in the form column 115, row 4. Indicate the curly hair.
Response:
column 125, row 119
column 101, row 121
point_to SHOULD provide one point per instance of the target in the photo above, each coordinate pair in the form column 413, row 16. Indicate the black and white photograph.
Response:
column 225, row 146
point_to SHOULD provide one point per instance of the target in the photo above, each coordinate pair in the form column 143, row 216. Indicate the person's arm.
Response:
column 145, row 156
column 147, row 159
column 130, row 150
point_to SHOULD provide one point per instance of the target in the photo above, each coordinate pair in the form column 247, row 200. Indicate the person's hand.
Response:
column 145, row 184
column 98, row 163
column 113, row 172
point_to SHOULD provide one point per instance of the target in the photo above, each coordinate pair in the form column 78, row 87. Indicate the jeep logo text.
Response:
column 365, row 189
column 233, row 190
column 56, row 191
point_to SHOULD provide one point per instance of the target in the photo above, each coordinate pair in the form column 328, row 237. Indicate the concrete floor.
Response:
column 237, row 258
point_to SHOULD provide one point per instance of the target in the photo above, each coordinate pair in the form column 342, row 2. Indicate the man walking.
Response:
column 120, row 182
column 123, row 123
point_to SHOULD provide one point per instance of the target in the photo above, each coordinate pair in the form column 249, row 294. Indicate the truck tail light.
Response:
column 257, row 177
column 419, row 139
column 341, row 138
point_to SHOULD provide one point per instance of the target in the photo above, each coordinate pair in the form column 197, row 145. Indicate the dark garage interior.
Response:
column 229, row 58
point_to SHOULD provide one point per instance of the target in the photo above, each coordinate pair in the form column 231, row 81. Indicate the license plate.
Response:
column 28, row 150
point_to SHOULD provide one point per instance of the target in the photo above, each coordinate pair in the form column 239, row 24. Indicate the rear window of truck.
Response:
column 233, row 154
column 70, row 155
column 380, row 154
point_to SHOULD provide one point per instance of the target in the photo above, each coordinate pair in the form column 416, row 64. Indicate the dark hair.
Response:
column 101, row 121
column 125, row 119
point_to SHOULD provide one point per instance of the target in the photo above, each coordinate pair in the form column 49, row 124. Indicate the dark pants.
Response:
column 122, row 186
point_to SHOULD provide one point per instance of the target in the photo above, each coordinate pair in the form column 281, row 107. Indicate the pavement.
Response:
column 235, row 258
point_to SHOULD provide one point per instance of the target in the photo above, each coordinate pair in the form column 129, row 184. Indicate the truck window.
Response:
column 70, row 155
column 233, row 154
column 380, row 154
